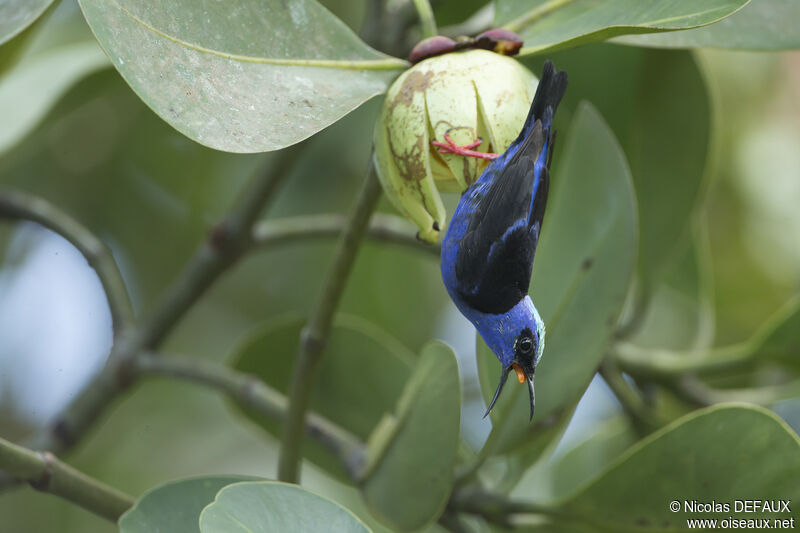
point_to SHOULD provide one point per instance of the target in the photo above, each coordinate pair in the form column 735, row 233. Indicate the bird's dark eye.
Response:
column 525, row 345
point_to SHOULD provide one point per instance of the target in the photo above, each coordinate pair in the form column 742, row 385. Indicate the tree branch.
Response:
column 383, row 228
column 498, row 509
column 695, row 391
column 46, row 473
column 665, row 365
column 642, row 417
column 252, row 393
column 16, row 205
column 226, row 243
column 315, row 334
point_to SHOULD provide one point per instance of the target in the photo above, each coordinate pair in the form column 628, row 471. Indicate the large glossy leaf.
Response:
column 361, row 376
column 667, row 149
column 719, row 454
column 760, row 25
column 17, row 15
column 554, row 24
column 175, row 506
column 681, row 313
column 253, row 77
column 268, row 507
column 583, row 268
column 659, row 107
column 412, row 454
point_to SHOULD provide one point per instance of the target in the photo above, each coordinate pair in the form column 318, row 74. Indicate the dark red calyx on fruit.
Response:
column 430, row 47
column 500, row 41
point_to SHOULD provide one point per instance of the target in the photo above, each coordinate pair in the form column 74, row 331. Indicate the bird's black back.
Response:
column 495, row 256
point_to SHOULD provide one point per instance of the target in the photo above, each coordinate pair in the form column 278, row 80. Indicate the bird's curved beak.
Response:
column 522, row 376
column 532, row 393
column 503, row 378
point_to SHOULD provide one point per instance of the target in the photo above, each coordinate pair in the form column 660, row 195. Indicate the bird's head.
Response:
column 517, row 339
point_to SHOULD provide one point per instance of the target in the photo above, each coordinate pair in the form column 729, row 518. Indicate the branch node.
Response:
column 219, row 237
column 311, row 341
column 48, row 462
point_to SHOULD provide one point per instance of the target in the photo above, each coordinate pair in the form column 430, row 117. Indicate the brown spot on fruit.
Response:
column 415, row 82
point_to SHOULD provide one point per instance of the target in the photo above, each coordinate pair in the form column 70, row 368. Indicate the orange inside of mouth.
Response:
column 520, row 372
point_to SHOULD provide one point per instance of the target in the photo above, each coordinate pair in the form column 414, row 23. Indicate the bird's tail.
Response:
column 552, row 86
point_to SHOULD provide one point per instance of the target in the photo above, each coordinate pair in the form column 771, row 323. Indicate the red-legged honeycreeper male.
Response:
column 488, row 250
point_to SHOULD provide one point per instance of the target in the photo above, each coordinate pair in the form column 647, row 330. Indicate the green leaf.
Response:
column 412, row 454
column 268, row 506
column 17, row 15
column 722, row 453
column 760, row 25
column 175, row 506
column 554, row 24
column 779, row 338
column 671, row 94
column 571, row 467
column 586, row 461
column 251, row 78
column 636, row 89
column 680, row 314
column 363, row 366
column 30, row 90
column 583, row 267
column 58, row 51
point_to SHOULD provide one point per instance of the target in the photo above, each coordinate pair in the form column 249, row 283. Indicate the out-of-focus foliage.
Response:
column 17, row 15
column 692, row 154
column 50, row 57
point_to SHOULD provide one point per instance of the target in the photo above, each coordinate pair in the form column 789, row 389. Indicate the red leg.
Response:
column 450, row 147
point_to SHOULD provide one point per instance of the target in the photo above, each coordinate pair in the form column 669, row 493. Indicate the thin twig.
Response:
column 661, row 365
column 499, row 509
column 695, row 391
column 252, row 393
column 46, row 473
column 315, row 334
column 641, row 416
column 426, row 18
column 17, row 205
column 383, row 228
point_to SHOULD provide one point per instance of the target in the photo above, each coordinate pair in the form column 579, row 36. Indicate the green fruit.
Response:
column 471, row 94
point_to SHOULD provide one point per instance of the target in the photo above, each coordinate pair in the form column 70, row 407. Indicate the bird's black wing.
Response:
column 495, row 256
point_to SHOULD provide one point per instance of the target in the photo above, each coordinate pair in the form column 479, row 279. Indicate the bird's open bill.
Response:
column 521, row 376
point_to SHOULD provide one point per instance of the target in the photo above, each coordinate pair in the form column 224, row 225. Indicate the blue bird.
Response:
column 488, row 250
